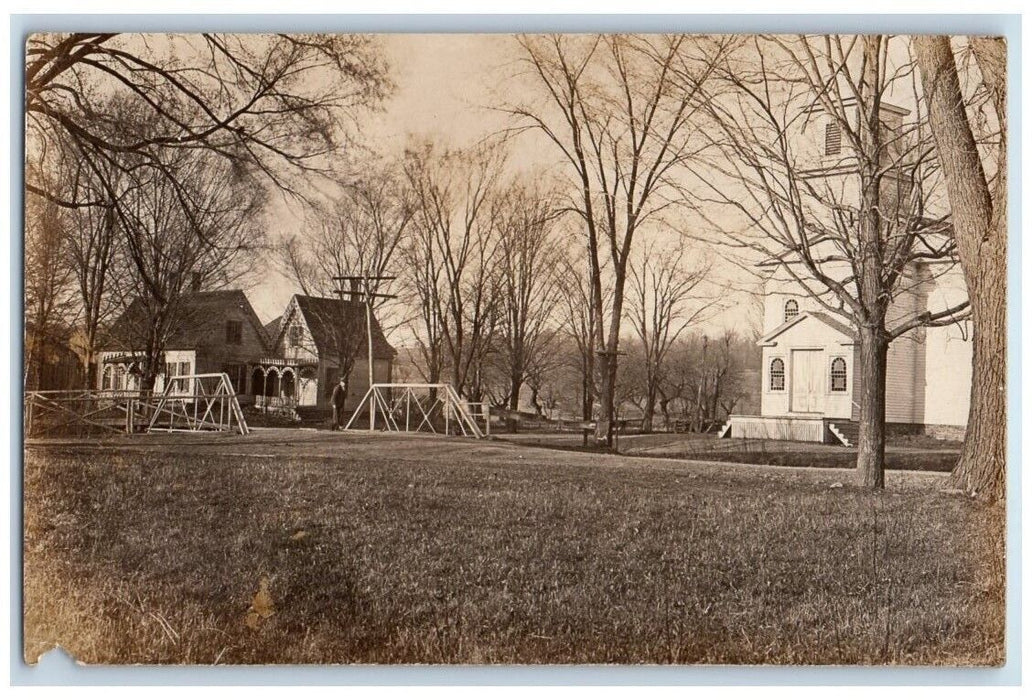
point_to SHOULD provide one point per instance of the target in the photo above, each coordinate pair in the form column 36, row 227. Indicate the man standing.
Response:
column 340, row 395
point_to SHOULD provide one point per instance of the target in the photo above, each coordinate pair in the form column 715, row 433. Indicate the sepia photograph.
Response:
column 509, row 349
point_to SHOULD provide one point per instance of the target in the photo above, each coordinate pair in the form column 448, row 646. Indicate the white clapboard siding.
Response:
column 772, row 428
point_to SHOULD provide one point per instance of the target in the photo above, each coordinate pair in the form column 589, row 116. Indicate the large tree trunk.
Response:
column 870, row 458
column 980, row 231
column 587, row 386
column 515, row 384
column 650, row 411
column 89, row 369
column 982, row 466
column 587, row 389
column 607, row 397
column 610, row 360
column 874, row 345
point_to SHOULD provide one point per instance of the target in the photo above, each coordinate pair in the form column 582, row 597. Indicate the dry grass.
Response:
column 910, row 453
column 501, row 554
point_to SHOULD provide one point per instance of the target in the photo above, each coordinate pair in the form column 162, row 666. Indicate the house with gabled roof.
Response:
column 292, row 361
column 214, row 331
column 306, row 345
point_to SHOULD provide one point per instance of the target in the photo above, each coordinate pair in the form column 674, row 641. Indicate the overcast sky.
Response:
column 446, row 84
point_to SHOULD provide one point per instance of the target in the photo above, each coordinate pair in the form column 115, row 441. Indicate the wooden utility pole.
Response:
column 368, row 295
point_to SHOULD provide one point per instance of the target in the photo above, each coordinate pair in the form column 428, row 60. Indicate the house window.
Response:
column 234, row 332
column 180, row 369
column 295, row 336
column 832, row 138
column 791, row 309
column 777, row 374
column 838, row 374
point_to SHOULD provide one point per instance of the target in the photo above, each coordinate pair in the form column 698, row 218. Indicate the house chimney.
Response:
column 195, row 281
column 356, row 294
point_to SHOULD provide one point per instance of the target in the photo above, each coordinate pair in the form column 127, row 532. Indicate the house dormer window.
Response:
column 791, row 309
column 838, row 374
column 295, row 336
column 832, row 138
column 777, row 374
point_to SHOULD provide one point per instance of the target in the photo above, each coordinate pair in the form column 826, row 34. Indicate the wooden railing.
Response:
column 212, row 405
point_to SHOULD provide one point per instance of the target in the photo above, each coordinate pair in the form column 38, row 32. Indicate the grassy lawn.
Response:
column 430, row 550
column 902, row 453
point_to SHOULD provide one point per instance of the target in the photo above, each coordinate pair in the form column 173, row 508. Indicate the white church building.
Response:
column 810, row 378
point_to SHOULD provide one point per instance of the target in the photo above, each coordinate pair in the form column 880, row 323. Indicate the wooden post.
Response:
column 369, row 348
column 372, row 410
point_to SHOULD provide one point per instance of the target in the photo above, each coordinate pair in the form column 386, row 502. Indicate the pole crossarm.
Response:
column 364, row 277
column 377, row 295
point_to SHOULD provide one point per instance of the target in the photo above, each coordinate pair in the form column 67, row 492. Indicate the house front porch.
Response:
column 283, row 384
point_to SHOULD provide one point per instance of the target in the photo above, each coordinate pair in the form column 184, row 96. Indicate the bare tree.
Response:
column 453, row 256
column 706, row 377
column 631, row 382
column 577, row 321
column 96, row 256
column 48, row 280
column 664, row 301
column 422, row 285
column 847, row 220
column 976, row 180
column 361, row 235
column 197, row 232
column 281, row 105
column 527, row 282
column 623, row 125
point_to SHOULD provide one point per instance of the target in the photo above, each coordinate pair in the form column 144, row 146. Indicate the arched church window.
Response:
column 777, row 374
column 838, row 374
column 791, row 309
